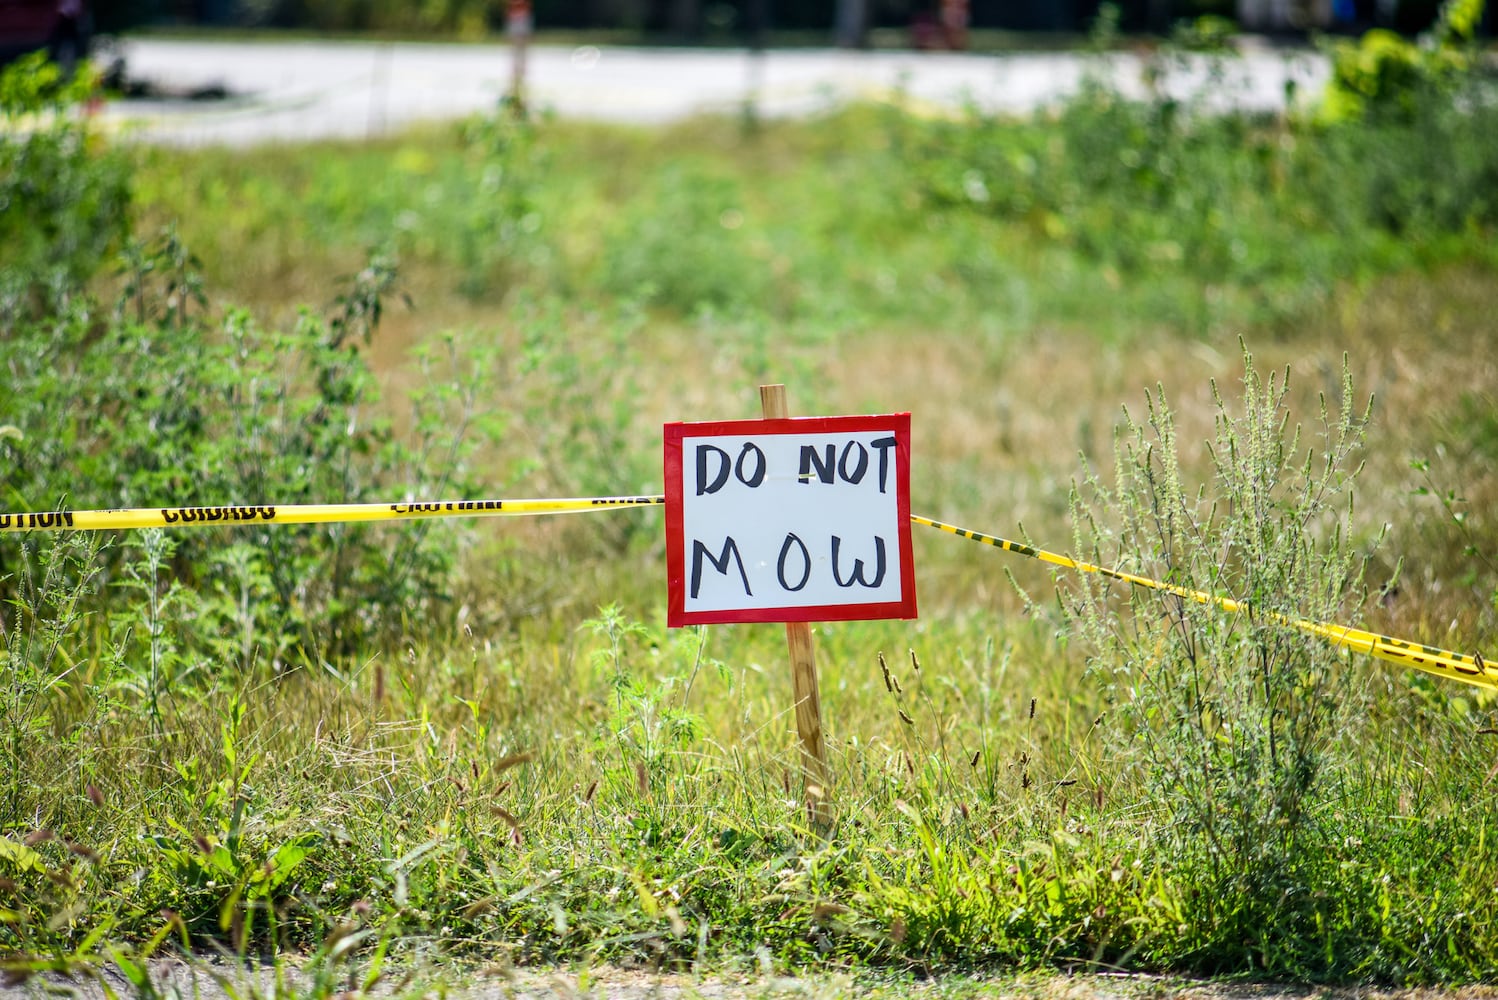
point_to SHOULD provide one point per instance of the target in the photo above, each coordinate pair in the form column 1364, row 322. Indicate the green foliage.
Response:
column 500, row 226
column 167, row 407
column 64, row 198
column 1104, row 210
column 681, row 244
column 1383, row 74
column 1143, row 188
column 1381, row 69
column 1270, row 212
column 1232, row 719
column 585, row 427
column 1207, row 33
column 40, row 624
column 1430, row 181
column 221, row 861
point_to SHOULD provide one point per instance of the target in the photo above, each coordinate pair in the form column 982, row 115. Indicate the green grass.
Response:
column 272, row 745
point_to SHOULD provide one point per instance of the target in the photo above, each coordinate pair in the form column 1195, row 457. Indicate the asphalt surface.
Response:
column 241, row 93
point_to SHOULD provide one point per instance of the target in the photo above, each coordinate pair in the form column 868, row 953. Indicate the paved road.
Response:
column 290, row 91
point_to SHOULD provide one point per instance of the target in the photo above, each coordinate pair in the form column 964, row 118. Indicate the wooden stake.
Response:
column 816, row 777
column 519, row 24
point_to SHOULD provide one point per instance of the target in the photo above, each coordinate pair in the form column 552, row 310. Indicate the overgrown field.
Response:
column 1250, row 355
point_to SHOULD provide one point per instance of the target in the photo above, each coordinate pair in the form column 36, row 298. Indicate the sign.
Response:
column 790, row 520
column 519, row 22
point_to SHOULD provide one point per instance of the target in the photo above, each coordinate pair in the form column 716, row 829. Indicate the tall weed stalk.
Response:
column 1234, row 724
column 40, row 629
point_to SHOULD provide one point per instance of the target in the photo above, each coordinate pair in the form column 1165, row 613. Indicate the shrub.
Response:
column 1275, row 209
column 498, row 222
column 682, row 244
column 1230, row 720
column 63, row 200
column 163, row 407
column 1383, row 74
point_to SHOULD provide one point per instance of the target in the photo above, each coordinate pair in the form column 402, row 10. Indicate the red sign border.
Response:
column 677, row 616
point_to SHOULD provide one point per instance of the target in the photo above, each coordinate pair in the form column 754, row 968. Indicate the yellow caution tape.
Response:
column 330, row 513
column 1469, row 669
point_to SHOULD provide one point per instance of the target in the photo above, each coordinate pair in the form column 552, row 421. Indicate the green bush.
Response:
column 681, row 243
column 1426, row 174
column 1143, row 188
column 161, row 406
column 64, row 199
column 1276, row 210
column 1234, row 724
column 499, row 225
column 1383, row 74
column 161, row 403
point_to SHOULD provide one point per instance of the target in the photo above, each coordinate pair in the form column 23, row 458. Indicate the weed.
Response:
column 172, row 409
column 1232, row 720
column 64, row 200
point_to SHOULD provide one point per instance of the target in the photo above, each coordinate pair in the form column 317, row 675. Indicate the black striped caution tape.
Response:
column 1470, row 669
column 1467, row 668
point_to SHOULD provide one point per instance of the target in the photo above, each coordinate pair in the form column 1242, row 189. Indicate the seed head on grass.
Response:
column 513, row 760
column 511, row 821
column 83, row 851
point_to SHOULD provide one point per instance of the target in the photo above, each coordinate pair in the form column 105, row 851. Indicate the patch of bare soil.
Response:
column 210, row 980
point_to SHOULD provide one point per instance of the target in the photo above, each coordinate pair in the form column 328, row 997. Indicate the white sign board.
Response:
column 804, row 519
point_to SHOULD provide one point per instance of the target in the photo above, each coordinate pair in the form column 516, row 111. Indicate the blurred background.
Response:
column 893, row 23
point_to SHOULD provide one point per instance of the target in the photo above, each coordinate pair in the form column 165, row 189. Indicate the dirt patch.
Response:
column 213, row 980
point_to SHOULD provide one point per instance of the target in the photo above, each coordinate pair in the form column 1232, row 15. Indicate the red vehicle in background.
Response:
column 62, row 27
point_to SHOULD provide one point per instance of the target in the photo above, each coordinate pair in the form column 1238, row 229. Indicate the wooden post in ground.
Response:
column 815, row 775
column 519, row 24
